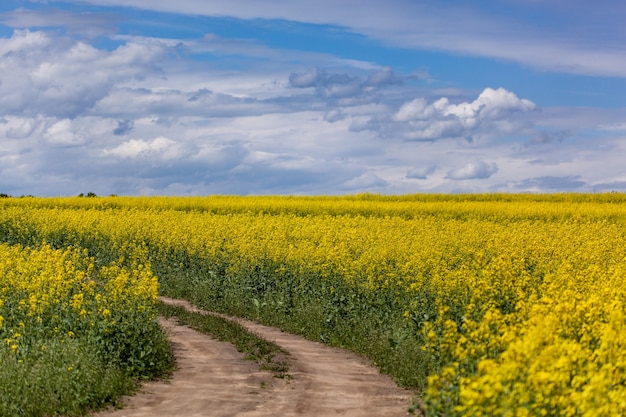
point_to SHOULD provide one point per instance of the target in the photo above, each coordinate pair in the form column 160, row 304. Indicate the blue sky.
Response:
column 196, row 97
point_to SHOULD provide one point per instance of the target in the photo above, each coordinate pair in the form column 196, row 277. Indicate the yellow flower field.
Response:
column 73, row 334
column 507, row 305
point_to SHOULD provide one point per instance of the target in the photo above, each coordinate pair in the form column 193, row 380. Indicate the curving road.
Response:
column 213, row 379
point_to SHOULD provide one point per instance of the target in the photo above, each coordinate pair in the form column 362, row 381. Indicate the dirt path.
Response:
column 213, row 379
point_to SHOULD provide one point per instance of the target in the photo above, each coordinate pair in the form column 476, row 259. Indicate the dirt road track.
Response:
column 214, row 380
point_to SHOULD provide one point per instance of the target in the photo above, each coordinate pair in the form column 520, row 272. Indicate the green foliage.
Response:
column 451, row 294
column 268, row 355
column 74, row 336
column 67, row 378
column 329, row 310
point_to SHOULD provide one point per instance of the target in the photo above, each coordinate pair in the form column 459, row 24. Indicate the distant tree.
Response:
column 90, row 194
column 3, row 195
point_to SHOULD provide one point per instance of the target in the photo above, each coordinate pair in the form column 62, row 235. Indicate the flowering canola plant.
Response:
column 73, row 334
column 48, row 294
column 507, row 305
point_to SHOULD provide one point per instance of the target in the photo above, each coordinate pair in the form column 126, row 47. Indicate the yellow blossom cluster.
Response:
column 48, row 294
column 517, row 301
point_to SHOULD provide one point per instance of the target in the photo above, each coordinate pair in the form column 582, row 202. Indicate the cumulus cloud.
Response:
column 367, row 181
column 15, row 127
column 431, row 121
column 62, row 133
column 141, row 148
column 145, row 117
column 415, row 110
column 473, row 170
column 57, row 76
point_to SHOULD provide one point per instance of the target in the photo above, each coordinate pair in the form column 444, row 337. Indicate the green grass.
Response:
column 65, row 379
column 268, row 355
column 72, row 377
column 329, row 310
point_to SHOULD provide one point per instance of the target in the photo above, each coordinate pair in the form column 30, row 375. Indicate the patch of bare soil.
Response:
column 213, row 379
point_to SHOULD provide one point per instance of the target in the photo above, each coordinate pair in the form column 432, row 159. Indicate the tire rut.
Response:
column 212, row 379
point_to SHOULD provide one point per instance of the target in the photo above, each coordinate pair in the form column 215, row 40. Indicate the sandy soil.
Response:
column 213, row 379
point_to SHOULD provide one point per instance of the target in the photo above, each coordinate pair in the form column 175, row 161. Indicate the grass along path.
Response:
column 214, row 379
column 269, row 356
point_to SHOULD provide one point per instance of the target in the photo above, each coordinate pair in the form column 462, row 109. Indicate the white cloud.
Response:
column 473, row 170
column 414, row 110
column 367, row 181
column 135, row 148
column 490, row 113
column 63, row 77
column 138, row 119
column 15, row 127
column 490, row 104
column 62, row 133
column 457, row 27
